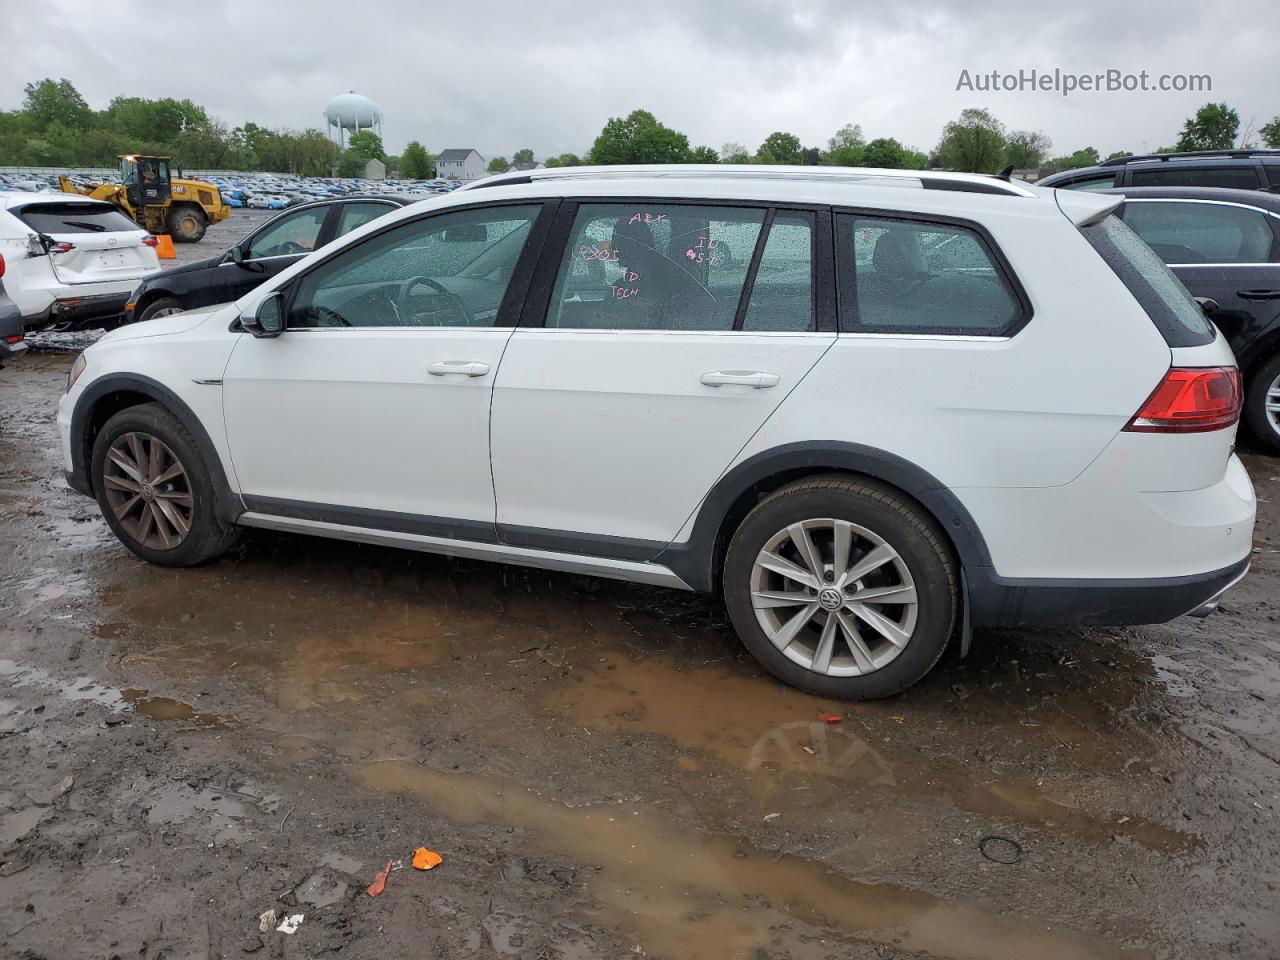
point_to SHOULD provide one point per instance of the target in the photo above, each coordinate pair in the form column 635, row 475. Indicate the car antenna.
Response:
column 1006, row 174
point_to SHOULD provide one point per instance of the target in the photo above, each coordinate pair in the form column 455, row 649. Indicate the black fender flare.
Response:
column 694, row 559
column 227, row 505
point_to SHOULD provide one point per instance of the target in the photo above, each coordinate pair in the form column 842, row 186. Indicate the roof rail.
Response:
column 1191, row 154
column 919, row 179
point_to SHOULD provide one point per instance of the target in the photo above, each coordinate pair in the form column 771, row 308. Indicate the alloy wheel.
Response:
column 148, row 490
column 1272, row 402
column 834, row 597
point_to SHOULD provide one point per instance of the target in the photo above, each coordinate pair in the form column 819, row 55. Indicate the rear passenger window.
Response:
column 908, row 276
column 782, row 295
column 358, row 214
column 1184, row 232
column 1243, row 177
column 1093, row 183
column 649, row 266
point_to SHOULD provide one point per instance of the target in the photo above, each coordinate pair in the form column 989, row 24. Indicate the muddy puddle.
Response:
column 698, row 897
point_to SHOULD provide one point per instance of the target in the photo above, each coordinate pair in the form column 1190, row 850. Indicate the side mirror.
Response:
column 1208, row 305
column 238, row 258
column 268, row 317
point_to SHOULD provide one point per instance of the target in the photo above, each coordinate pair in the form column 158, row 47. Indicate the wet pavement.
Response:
column 603, row 768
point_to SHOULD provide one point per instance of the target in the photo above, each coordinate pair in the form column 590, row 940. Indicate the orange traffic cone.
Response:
column 164, row 247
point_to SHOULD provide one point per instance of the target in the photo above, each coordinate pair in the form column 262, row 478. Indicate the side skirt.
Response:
column 630, row 570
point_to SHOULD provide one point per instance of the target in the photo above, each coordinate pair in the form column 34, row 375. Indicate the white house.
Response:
column 460, row 164
column 520, row 167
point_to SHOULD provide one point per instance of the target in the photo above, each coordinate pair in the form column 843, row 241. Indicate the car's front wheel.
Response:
column 154, row 488
column 841, row 588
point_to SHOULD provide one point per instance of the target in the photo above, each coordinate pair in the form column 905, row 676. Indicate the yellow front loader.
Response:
column 150, row 198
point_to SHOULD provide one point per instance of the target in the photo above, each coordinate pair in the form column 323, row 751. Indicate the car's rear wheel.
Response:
column 154, row 488
column 841, row 588
column 1262, row 404
column 164, row 307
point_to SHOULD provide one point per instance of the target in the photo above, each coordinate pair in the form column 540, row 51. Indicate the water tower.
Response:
column 351, row 112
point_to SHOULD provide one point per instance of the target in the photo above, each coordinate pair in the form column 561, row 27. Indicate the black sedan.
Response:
column 277, row 244
column 1224, row 245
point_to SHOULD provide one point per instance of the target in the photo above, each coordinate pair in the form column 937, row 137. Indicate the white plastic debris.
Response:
column 290, row 923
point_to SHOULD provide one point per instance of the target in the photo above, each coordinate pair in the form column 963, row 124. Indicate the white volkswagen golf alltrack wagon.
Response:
column 874, row 409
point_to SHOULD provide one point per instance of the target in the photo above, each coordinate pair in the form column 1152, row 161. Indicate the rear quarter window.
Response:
column 55, row 218
column 1161, row 294
column 922, row 277
column 1242, row 177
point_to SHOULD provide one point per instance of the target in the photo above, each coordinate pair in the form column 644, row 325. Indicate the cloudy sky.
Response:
column 500, row 75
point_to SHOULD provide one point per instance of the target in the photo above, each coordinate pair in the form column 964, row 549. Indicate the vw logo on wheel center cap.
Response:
column 831, row 599
column 148, row 493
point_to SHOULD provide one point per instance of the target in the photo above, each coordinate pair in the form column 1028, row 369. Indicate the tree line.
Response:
column 56, row 127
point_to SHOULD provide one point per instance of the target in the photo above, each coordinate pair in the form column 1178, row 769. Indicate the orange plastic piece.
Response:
column 380, row 880
column 164, row 247
column 424, row 859
column 832, row 718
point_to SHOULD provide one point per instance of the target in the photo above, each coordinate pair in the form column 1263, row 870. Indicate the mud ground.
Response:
column 604, row 771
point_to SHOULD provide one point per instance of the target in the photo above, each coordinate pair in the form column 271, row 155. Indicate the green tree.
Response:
column 564, row 160
column 884, row 152
column 1213, row 127
column 498, row 165
column 734, row 153
column 1088, row 157
column 368, row 143
column 416, row 163
column 638, row 138
column 523, row 155
column 1118, row 154
column 56, row 101
column 1270, row 133
column 703, row 155
column 1028, row 149
column 973, row 143
column 780, row 147
column 158, row 121
column 847, row 147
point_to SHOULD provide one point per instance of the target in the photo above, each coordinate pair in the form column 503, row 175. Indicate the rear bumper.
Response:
column 11, row 351
column 81, row 313
column 1007, row 602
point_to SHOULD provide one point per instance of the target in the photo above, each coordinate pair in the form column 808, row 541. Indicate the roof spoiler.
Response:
column 1084, row 208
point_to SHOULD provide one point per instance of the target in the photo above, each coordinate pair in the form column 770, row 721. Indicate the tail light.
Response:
column 14, row 339
column 1191, row 400
column 61, row 247
column 1, row 264
column 151, row 240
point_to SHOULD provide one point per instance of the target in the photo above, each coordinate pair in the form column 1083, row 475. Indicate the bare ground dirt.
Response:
column 603, row 768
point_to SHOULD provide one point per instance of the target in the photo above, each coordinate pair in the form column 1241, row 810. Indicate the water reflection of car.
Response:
column 277, row 244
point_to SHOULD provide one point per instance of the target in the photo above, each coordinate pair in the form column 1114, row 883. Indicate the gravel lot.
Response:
column 602, row 767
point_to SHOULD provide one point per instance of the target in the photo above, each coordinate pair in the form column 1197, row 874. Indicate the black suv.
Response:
column 279, row 243
column 1237, row 169
column 1224, row 245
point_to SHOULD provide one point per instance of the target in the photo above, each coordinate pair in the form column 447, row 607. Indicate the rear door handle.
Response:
column 1258, row 294
column 746, row 378
column 463, row 368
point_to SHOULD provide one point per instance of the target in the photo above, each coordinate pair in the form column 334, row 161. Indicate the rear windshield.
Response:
column 1167, row 302
column 57, row 218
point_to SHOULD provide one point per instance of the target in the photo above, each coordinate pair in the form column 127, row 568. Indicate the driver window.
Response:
column 907, row 276
column 289, row 235
column 450, row 270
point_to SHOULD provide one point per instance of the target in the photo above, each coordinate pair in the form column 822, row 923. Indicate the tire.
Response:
column 160, row 308
column 1264, row 424
column 187, row 223
column 919, row 568
column 189, row 495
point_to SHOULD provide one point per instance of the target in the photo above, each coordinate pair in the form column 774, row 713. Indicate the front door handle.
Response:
column 746, row 378
column 463, row 368
column 1258, row 294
